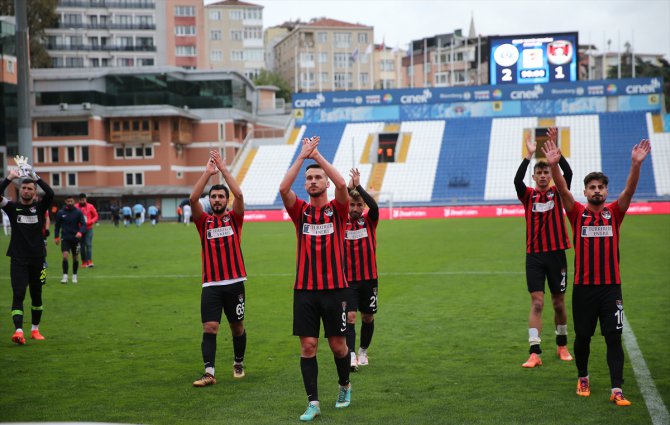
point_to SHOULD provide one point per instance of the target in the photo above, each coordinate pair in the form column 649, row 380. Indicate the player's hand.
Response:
column 531, row 146
column 210, row 168
column 315, row 140
column 307, row 148
column 552, row 152
column 13, row 174
column 355, row 177
column 640, row 151
column 218, row 161
column 57, row 240
column 78, row 235
column 552, row 134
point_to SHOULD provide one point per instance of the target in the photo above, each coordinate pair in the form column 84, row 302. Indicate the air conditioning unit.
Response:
column 62, row 106
column 86, row 105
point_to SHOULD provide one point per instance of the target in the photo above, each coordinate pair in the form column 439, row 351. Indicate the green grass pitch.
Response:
column 123, row 345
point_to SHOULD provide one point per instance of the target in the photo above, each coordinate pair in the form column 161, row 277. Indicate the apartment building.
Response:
column 446, row 60
column 234, row 37
column 327, row 54
column 107, row 33
column 8, row 80
column 388, row 72
column 185, row 34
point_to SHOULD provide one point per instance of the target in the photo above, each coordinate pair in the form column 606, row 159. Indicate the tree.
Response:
column 644, row 69
column 269, row 78
column 41, row 15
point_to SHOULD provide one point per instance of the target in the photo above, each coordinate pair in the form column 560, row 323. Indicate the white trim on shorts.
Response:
column 224, row 282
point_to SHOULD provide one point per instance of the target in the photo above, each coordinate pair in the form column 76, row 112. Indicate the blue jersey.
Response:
column 153, row 210
column 138, row 208
column 126, row 210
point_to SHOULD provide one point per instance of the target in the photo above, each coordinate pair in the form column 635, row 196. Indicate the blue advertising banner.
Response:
column 427, row 96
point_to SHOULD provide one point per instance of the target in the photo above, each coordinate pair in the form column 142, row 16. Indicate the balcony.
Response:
column 107, row 48
column 105, row 26
column 127, row 4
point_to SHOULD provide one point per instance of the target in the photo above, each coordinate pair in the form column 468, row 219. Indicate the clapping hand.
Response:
column 552, row 152
column 355, row 178
column 641, row 150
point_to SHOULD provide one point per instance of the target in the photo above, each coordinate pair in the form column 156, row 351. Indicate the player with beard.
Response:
column 320, row 288
column 360, row 266
column 596, row 294
column 223, row 272
column 26, row 248
column 546, row 242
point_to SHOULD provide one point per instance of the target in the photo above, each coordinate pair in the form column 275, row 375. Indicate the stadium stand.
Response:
column 468, row 161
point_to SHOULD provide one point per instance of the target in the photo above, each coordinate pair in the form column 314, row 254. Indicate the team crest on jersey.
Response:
column 606, row 214
column 619, row 304
column 328, row 211
column 550, row 195
column 33, row 210
column 226, row 218
column 361, row 222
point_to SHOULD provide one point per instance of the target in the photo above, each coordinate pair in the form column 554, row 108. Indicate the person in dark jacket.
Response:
column 70, row 226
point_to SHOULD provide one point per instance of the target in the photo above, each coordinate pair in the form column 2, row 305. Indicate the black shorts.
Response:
column 71, row 245
column 153, row 216
column 550, row 265
column 226, row 298
column 591, row 303
column 312, row 307
column 138, row 215
column 127, row 217
column 26, row 272
column 363, row 296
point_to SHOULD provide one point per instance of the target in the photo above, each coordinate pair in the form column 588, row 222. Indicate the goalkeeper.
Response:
column 26, row 247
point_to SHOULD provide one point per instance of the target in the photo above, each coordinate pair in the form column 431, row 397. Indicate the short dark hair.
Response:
column 69, row 196
column 28, row 180
column 596, row 175
column 219, row 187
column 310, row 166
column 82, row 196
column 354, row 194
column 540, row 164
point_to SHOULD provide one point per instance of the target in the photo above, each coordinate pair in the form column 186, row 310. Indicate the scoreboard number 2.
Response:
column 506, row 74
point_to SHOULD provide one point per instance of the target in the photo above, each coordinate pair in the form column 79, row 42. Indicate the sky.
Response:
column 643, row 23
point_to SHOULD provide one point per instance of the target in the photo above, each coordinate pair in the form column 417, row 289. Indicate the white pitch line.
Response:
column 655, row 406
column 253, row 275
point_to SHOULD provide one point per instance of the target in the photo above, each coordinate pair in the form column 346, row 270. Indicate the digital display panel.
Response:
column 533, row 58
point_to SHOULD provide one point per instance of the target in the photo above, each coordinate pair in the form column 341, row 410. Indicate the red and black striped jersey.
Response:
column 360, row 249
column 320, row 253
column 596, row 240
column 220, row 238
column 545, row 227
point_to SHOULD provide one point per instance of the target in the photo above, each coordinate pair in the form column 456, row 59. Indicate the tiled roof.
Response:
column 233, row 3
column 327, row 22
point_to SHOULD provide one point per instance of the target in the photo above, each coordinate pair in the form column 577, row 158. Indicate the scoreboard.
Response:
column 533, row 58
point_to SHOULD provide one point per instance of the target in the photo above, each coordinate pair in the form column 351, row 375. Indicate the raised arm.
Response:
column 341, row 192
column 553, row 155
column 196, row 207
column 288, row 196
column 235, row 189
column 640, row 152
column 355, row 182
column 552, row 134
column 519, row 185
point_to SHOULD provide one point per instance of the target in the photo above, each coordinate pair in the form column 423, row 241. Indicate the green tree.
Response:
column 41, row 15
column 269, row 78
column 644, row 69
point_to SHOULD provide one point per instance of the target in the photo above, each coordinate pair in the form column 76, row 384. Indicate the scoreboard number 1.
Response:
column 559, row 72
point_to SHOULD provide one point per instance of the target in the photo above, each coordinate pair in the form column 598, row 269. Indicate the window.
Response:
column 55, row 179
column 84, row 154
column 236, row 15
column 145, row 62
column 362, row 37
column 216, row 56
column 237, row 55
column 323, row 57
column 323, row 77
column 40, row 155
column 184, row 10
column 71, row 154
column 252, row 14
column 72, row 179
column 342, row 39
column 95, row 62
column 125, row 62
column 253, row 55
column 54, row 154
column 185, row 51
column 306, row 57
column 253, row 33
column 135, row 179
column 10, row 66
column 215, row 35
column 148, row 151
column 342, row 60
column 307, row 79
column 322, row 37
column 134, row 152
column 214, row 15
column 343, row 80
column 364, row 78
column 387, row 65
column 184, row 30
column 236, row 35
column 118, row 153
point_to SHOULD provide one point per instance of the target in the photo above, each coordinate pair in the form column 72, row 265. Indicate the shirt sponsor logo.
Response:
column 356, row 234
column 318, row 229
column 220, row 232
column 597, row 231
column 543, row 207
column 26, row 219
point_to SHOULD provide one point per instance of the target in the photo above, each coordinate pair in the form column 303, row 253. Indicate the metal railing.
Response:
column 105, row 26
column 129, row 4
column 105, row 48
